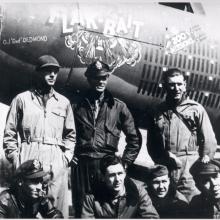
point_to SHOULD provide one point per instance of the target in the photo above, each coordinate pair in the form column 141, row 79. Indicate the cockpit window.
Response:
column 184, row 6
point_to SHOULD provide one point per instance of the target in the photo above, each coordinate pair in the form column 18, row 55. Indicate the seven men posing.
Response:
column 180, row 133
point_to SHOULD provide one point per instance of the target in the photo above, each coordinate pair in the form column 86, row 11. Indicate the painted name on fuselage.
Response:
column 119, row 26
column 23, row 40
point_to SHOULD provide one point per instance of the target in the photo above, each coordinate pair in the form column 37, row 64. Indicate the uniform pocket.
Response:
column 57, row 118
column 112, row 136
column 192, row 144
column 59, row 112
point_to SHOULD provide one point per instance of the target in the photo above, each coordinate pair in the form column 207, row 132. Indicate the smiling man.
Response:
column 168, row 202
column 26, row 196
column 43, row 118
column 99, row 118
column 118, row 196
column 180, row 132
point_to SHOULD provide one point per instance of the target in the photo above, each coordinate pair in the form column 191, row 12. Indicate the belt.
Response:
column 45, row 140
column 186, row 153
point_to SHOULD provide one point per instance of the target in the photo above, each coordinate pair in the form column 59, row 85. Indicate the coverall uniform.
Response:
column 47, row 133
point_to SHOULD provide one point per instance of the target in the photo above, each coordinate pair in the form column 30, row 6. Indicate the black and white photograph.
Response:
column 109, row 109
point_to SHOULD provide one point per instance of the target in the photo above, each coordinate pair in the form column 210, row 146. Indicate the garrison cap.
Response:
column 46, row 61
column 210, row 168
column 31, row 169
column 158, row 170
column 97, row 68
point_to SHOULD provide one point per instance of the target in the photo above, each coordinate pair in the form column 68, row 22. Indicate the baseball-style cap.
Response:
column 30, row 169
column 46, row 61
column 199, row 168
column 97, row 68
column 158, row 170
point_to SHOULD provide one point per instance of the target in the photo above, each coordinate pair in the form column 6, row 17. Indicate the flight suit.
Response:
column 47, row 134
column 186, row 132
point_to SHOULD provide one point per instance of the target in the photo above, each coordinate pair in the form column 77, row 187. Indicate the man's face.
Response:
column 160, row 186
column 98, row 83
column 210, row 185
column 175, row 87
column 32, row 188
column 48, row 75
column 114, row 177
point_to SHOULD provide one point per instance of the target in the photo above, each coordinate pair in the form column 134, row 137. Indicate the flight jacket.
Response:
column 100, row 136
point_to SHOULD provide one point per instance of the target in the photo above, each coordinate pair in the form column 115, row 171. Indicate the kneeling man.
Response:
column 168, row 202
column 207, row 179
column 117, row 196
column 27, row 195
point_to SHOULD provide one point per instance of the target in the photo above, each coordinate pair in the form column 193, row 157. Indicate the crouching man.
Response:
column 26, row 196
column 117, row 196
column 168, row 202
column 207, row 179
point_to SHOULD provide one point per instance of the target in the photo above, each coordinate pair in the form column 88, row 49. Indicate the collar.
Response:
column 35, row 93
column 164, row 106
column 106, row 97
column 130, row 192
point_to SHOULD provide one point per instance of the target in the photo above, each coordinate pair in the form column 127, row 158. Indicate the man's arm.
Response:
column 155, row 143
column 87, row 209
column 47, row 210
column 206, row 136
column 145, row 206
column 133, row 136
column 10, row 139
column 69, row 134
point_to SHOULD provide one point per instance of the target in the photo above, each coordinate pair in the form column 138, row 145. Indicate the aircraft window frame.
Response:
column 183, row 6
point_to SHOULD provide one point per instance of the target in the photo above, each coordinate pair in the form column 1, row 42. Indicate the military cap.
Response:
column 97, row 68
column 46, row 61
column 30, row 169
column 200, row 168
column 158, row 170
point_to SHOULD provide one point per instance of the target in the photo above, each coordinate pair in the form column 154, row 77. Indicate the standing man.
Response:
column 117, row 196
column 99, row 118
column 180, row 132
column 168, row 202
column 207, row 178
column 26, row 197
column 44, row 121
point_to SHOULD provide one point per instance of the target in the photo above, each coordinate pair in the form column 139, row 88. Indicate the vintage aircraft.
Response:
column 139, row 39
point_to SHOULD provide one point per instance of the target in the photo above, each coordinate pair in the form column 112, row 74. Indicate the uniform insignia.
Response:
column 98, row 65
column 36, row 164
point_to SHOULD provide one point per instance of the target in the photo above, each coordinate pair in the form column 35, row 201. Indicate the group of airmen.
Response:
column 45, row 134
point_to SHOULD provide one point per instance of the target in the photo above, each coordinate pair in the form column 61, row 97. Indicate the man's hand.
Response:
column 205, row 159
